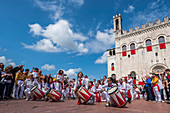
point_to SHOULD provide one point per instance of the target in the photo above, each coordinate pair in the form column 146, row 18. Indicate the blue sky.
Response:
column 68, row 34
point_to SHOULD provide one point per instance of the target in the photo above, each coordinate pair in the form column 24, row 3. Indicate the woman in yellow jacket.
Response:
column 155, row 86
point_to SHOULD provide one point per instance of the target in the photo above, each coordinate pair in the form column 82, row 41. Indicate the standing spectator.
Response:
column 8, row 81
column 148, row 88
column 161, row 87
column 13, row 71
column 167, row 71
column 26, row 73
column 2, row 84
column 19, row 80
column 94, row 82
column 156, row 89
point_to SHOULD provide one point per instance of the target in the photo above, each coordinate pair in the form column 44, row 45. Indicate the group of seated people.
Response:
column 19, row 82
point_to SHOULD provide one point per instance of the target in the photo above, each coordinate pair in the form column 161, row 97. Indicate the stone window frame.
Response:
column 133, row 47
column 150, row 44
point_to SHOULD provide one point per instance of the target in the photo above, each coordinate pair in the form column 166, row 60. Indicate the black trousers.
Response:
column 2, row 87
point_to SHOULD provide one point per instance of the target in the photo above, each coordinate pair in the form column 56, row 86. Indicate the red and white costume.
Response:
column 105, row 93
column 59, row 84
column 92, row 90
column 99, row 93
column 28, row 85
column 130, row 82
column 122, row 88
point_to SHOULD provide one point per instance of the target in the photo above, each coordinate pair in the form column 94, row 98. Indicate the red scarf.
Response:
column 168, row 76
column 91, row 87
column 80, row 82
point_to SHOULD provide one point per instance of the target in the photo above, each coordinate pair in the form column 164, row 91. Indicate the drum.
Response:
column 37, row 92
column 117, row 97
column 82, row 93
column 54, row 95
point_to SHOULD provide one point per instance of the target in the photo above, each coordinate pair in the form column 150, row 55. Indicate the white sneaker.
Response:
column 27, row 99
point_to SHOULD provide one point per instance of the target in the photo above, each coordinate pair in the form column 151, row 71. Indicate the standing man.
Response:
column 148, row 88
column 2, row 85
column 167, row 71
column 13, row 71
column 156, row 89
column 105, row 80
column 130, row 82
column 19, row 80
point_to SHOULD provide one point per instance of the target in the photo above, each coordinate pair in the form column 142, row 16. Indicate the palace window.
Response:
column 132, row 49
column 117, row 24
column 112, row 67
column 124, row 50
column 148, row 45
column 161, row 40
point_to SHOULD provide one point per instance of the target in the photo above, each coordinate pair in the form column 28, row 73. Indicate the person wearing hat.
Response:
column 29, row 83
column 156, row 89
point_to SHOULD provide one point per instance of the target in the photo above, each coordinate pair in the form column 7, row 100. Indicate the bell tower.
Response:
column 117, row 24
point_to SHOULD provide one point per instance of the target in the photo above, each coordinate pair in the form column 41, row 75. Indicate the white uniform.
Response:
column 122, row 88
column 104, row 93
column 130, row 82
column 81, row 82
column 59, row 83
column 72, row 90
column 29, row 84
column 92, row 90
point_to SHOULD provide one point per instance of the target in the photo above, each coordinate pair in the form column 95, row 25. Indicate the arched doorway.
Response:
column 158, row 68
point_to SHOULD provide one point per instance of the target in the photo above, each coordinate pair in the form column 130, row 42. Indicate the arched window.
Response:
column 148, row 45
column 132, row 49
column 112, row 67
column 148, row 42
column 132, row 46
column 161, row 40
column 117, row 24
column 124, row 50
column 110, row 53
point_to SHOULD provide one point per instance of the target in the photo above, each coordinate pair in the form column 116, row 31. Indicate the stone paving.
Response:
column 70, row 106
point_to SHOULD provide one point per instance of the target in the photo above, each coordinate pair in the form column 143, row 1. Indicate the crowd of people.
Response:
column 17, row 83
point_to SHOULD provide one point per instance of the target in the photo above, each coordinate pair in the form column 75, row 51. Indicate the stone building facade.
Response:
column 139, row 51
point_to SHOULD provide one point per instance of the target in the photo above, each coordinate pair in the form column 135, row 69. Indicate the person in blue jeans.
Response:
column 148, row 88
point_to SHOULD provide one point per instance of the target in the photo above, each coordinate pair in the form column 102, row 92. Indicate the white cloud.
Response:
column 72, row 73
column 103, row 41
column 129, row 9
column 36, row 29
column 77, row 2
column 54, row 7
column 57, row 7
column 43, row 45
column 48, row 67
column 6, row 61
column 58, row 37
column 151, row 13
column 102, row 59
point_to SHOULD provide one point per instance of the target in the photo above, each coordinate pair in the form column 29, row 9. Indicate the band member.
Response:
column 155, row 86
column 59, row 81
column 130, row 82
column 29, row 83
column 19, row 80
column 105, row 89
column 50, row 83
column 80, row 82
column 35, row 73
column 92, row 90
column 122, row 87
column 99, row 92
column 128, row 94
column 72, row 89
column 105, row 79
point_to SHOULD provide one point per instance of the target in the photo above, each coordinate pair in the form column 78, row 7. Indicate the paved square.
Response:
column 70, row 106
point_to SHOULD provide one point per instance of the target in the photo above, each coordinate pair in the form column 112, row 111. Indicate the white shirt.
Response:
column 130, row 81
